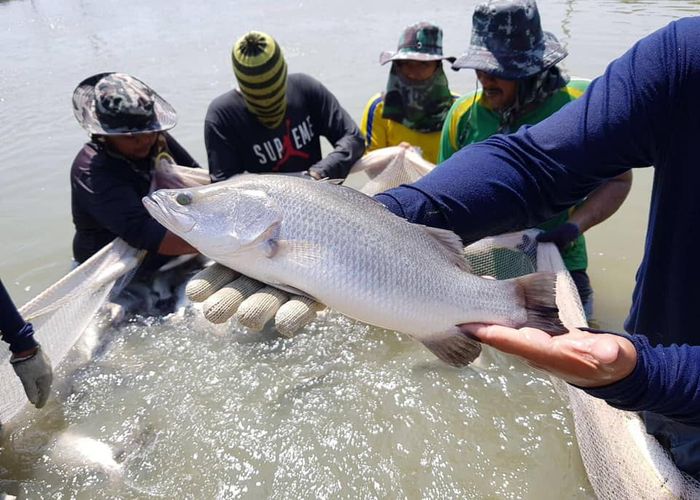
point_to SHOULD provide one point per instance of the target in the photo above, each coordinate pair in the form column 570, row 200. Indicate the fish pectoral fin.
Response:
column 264, row 238
column 302, row 253
column 453, row 347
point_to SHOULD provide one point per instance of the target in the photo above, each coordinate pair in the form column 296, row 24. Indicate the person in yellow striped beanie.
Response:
column 273, row 121
column 261, row 72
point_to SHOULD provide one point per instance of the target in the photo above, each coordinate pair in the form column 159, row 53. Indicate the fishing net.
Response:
column 384, row 168
column 63, row 311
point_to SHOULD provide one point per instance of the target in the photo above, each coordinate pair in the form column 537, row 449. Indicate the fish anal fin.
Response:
column 538, row 294
column 453, row 347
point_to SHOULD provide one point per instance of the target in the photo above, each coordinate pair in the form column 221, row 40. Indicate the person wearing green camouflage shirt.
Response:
column 522, row 85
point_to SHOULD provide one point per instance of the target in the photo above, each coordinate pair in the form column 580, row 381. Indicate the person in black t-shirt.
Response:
column 273, row 122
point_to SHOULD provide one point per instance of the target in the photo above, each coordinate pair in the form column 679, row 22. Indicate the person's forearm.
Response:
column 666, row 381
column 602, row 202
column 174, row 245
column 337, row 164
column 15, row 331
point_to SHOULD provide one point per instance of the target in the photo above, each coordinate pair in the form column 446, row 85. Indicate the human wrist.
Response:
column 23, row 340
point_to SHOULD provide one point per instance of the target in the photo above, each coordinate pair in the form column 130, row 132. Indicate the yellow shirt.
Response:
column 382, row 133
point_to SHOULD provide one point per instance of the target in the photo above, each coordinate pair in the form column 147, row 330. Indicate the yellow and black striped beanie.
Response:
column 261, row 72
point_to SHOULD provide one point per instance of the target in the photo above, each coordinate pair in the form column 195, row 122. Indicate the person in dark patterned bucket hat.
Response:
column 413, row 107
column 521, row 84
column 128, row 123
column 120, row 104
column 506, row 52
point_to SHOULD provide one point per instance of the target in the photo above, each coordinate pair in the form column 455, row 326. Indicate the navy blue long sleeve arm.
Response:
column 15, row 331
column 644, row 111
column 666, row 381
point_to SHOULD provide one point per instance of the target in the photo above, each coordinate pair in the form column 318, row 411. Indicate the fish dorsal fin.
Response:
column 451, row 244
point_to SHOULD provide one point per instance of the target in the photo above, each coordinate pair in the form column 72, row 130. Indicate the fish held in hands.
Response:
column 344, row 249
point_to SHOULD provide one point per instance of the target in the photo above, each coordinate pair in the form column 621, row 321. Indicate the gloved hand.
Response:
column 34, row 371
column 225, row 292
column 562, row 236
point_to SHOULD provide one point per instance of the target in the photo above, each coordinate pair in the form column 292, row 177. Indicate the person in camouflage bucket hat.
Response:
column 417, row 96
column 128, row 123
column 508, row 42
column 521, row 84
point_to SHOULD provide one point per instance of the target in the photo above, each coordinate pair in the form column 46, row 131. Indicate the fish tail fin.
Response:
column 453, row 347
column 538, row 293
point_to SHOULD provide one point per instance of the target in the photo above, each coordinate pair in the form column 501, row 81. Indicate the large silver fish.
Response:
column 349, row 252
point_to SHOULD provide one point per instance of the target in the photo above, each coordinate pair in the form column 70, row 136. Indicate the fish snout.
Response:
column 163, row 207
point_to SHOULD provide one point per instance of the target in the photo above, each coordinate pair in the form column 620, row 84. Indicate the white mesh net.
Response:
column 388, row 167
column 61, row 313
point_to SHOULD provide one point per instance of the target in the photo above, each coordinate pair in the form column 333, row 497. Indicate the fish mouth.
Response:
column 172, row 219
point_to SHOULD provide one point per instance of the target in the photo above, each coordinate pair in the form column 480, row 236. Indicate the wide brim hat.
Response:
column 520, row 51
column 418, row 42
column 119, row 104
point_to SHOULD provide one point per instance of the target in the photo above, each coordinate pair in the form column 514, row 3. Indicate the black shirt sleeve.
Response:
column 340, row 130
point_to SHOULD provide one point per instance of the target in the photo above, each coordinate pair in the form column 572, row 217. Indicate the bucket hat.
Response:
column 508, row 42
column 418, row 42
column 119, row 104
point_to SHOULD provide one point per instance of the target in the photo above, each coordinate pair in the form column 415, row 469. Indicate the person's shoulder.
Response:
column 576, row 87
column 229, row 101
column 375, row 104
column 462, row 105
column 88, row 156
column 301, row 82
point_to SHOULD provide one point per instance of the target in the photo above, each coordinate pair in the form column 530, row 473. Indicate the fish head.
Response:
column 217, row 220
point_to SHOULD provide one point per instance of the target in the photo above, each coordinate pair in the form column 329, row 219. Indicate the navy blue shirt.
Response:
column 237, row 142
column 15, row 331
column 644, row 111
column 106, row 193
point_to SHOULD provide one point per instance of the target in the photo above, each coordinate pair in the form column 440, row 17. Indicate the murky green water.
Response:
column 342, row 410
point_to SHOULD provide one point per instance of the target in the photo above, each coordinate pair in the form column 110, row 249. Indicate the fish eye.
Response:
column 184, row 198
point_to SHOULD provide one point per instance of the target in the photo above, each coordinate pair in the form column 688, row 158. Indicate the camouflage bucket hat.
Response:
column 119, row 104
column 508, row 42
column 418, row 42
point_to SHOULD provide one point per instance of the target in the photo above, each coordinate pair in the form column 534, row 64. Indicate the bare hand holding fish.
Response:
column 343, row 249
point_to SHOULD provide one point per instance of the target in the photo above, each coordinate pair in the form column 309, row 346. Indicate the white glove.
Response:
column 225, row 292
column 34, row 371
